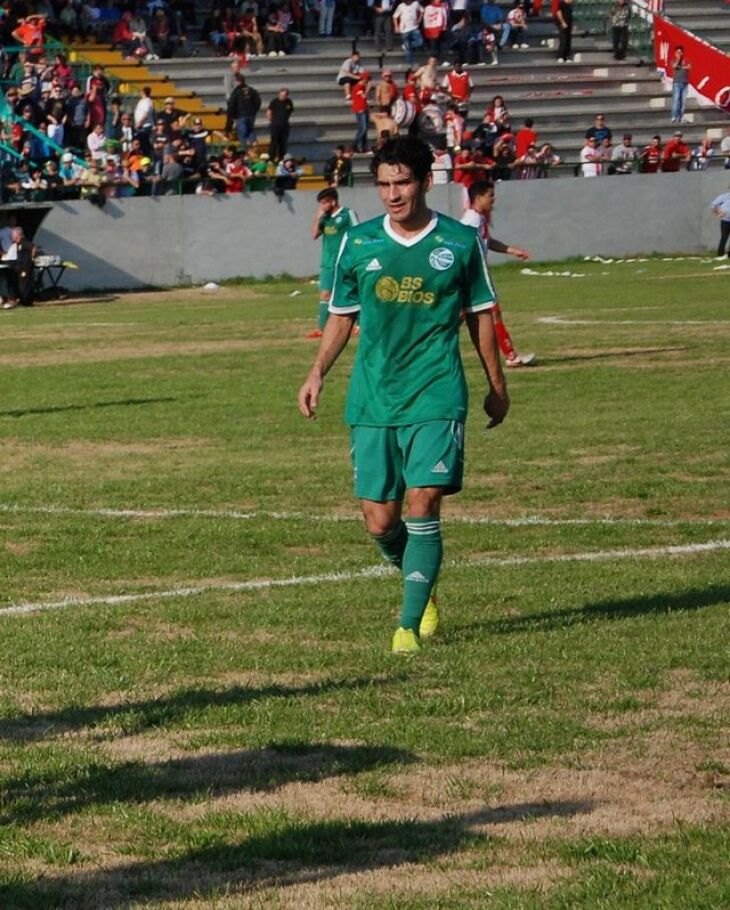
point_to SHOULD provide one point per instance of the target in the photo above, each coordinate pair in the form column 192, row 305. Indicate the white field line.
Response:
column 564, row 320
column 369, row 572
column 236, row 515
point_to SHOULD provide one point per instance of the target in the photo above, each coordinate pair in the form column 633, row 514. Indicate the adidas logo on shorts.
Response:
column 439, row 468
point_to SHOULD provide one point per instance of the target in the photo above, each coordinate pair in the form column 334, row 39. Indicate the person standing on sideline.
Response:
column 409, row 275
column 620, row 16
column 479, row 216
column 564, row 20
column 721, row 209
column 680, row 83
column 278, row 113
column 331, row 223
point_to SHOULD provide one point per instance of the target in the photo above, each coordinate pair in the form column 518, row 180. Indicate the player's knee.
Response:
column 424, row 502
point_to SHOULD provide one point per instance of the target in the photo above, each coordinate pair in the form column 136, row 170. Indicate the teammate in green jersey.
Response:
column 331, row 222
column 408, row 275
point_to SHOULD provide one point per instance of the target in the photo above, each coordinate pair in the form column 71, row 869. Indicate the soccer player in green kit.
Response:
column 331, row 222
column 408, row 276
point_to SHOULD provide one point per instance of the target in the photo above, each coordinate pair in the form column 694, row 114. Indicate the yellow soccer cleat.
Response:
column 405, row 641
column 430, row 619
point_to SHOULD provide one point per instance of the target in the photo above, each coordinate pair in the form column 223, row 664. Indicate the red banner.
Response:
column 709, row 77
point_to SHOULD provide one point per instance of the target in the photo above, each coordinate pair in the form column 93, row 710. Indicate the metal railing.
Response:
column 593, row 17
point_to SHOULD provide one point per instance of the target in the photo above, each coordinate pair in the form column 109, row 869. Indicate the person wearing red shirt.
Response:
column 524, row 138
column 458, row 86
column 361, row 110
column 435, row 23
column 676, row 153
column 650, row 158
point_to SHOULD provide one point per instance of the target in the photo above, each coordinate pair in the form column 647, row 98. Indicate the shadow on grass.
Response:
column 291, row 852
column 63, row 408
column 137, row 716
column 603, row 610
column 607, row 355
column 31, row 797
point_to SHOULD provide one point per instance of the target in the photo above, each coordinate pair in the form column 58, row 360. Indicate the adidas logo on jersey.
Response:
column 416, row 576
column 439, row 468
column 373, row 266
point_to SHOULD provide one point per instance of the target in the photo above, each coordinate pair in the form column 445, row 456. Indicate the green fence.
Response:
column 593, row 17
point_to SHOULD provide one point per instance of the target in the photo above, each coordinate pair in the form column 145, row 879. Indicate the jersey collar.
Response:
column 416, row 238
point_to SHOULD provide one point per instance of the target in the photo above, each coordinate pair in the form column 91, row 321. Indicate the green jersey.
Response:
column 334, row 228
column 409, row 294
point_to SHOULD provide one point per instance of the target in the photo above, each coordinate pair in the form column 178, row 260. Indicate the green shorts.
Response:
column 326, row 279
column 389, row 460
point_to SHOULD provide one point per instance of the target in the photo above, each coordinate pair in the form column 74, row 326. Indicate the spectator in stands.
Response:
column 30, row 32
column 287, row 175
column 349, row 74
column 248, row 29
column 243, row 105
column 163, row 37
column 91, row 180
column 680, row 83
column 326, row 19
column 144, row 117
column 443, row 165
column 435, row 27
column 650, row 158
column 548, row 160
column 600, row 130
column 458, row 86
column 213, row 31
column 495, row 113
column 171, row 176
column 276, row 36
column 527, row 164
column 620, row 17
column 407, row 23
column 625, row 156
column 459, row 37
column 676, row 153
column 514, row 32
column 361, row 110
column 702, row 155
column 563, row 17
column 605, row 148
column 338, row 168
column 492, row 18
column 503, row 155
column 525, row 138
column 590, row 158
column 386, row 92
column 54, row 183
column 725, row 148
column 278, row 114
column 96, row 143
column 383, row 26
column 427, row 76
column 454, row 130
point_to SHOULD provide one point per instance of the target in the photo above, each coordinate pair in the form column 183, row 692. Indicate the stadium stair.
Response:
column 707, row 19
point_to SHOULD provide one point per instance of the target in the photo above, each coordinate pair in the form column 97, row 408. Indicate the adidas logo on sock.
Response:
column 373, row 266
column 416, row 576
column 439, row 468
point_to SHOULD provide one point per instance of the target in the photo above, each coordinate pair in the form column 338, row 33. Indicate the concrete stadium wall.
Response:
column 189, row 239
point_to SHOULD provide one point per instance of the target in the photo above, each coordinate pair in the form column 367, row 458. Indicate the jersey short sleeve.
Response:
column 344, row 297
column 481, row 294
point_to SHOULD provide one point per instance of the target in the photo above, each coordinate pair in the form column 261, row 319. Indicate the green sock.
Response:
column 421, row 563
column 392, row 544
column 322, row 314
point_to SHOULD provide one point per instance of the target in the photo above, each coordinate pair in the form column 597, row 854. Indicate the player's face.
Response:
column 403, row 197
column 328, row 205
column 485, row 203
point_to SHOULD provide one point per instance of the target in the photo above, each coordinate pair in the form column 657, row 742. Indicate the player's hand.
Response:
column 308, row 398
column 521, row 254
column 496, row 407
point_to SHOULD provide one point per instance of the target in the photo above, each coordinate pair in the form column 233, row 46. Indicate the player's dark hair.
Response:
column 409, row 151
column 327, row 193
column 480, row 188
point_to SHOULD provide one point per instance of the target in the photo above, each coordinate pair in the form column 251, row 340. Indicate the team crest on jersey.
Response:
column 441, row 259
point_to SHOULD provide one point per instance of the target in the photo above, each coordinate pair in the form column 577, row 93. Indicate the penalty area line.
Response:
column 257, row 515
column 377, row 571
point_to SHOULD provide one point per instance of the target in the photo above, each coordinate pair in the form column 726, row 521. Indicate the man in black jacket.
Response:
column 243, row 105
column 279, row 111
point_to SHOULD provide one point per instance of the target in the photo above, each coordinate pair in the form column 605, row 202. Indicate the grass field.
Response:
column 198, row 707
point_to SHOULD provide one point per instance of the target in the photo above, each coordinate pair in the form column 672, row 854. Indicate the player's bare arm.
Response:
column 335, row 336
column 484, row 339
column 508, row 249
